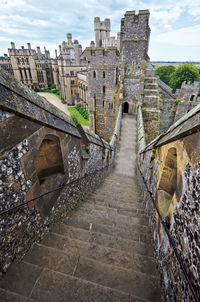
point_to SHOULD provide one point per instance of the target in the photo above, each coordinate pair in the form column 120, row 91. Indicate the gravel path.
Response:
column 53, row 99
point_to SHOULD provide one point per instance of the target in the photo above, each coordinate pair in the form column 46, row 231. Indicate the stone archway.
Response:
column 126, row 107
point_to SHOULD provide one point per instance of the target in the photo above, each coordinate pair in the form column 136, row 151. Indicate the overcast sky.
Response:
column 175, row 24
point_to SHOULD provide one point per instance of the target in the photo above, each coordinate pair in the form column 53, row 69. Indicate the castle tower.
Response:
column 102, row 30
column 188, row 92
column 103, row 85
column 134, row 42
column 135, row 32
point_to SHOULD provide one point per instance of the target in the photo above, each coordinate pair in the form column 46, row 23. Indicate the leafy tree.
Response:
column 165, row 72
column 185, row 72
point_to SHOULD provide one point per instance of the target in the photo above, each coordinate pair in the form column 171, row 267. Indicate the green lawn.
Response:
column 79, row 117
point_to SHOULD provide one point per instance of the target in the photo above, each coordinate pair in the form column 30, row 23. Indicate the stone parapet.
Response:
column 169, row 166
column 31, row 105
column 140, row 131
column 44, row 152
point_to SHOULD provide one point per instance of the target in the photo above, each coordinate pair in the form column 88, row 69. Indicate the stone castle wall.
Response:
column 41, row 149
column 170, row 168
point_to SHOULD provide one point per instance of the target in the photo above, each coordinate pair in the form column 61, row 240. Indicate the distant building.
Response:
column 29, row 66
column 65, row 68
column 111, row 71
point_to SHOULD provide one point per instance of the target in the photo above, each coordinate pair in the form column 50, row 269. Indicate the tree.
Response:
column 185, row 72
column 165, row 72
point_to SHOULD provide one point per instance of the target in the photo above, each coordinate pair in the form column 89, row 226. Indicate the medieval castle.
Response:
column 49, row 166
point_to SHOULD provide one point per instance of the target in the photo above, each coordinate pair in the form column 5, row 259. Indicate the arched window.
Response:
column 104, row 74
column 94, row 74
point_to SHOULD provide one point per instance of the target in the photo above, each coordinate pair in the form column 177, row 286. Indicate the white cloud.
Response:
column 166, row 18
column 46, row 22
column 188, row 36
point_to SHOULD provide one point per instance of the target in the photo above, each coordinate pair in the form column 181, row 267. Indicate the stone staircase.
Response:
column 101, row 253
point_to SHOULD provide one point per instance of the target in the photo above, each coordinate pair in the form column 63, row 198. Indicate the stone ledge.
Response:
column 20, row 99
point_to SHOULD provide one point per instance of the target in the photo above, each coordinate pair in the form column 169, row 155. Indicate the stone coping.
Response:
column 89, row 136
column 17, row 97
column 188, row 124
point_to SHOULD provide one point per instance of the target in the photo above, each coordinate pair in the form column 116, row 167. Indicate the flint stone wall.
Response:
column 182, row 214
column 45, row 151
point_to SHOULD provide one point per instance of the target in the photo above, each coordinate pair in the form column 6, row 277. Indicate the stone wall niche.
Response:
column 168, row 183
column 50, row 171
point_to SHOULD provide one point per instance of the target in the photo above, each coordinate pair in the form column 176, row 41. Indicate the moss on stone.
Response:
column 130, row 12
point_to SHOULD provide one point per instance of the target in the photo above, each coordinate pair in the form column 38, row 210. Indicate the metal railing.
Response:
column 171, row 241
column 54, row 190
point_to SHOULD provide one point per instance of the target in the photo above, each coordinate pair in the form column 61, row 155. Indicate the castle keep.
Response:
column 122, row 243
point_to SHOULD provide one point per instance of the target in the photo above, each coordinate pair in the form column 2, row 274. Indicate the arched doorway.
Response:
column 125, row 107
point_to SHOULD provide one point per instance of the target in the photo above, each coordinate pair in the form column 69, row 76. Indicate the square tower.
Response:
column 102, row 77
column 134, row 42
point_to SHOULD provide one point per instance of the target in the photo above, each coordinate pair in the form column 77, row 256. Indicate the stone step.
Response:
column 130, row 223
column 133, row 198
column 118, row 188
column 151, row 86
column 150, row 79
column 91, row 204
column 111, row 241
column 54, row 286
column 151, row 98
column 150, row 92
column 58, row 287
column 110, row 190
column 101, row 253
column 110, row 218
column 21, row 278
column 110, row 202
column 103, row 211
column 121, row 279
column 125, row 179
column 126, row 280
column 7, row 296
column 139, row 234
column 117, row 195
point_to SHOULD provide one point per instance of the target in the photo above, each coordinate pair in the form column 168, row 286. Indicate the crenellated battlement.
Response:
column 135, row 25
column 100, row 51
column 101, row 25
column 102, row 30
column 190, row 85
